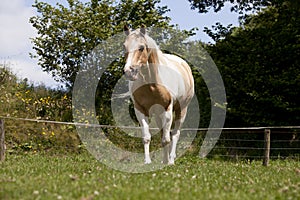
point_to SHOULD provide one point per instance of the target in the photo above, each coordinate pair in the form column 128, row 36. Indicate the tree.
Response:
column 66, row 35
column 240, row 6
column 259, row 62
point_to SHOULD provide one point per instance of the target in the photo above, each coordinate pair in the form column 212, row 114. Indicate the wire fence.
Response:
column 234, row 143
column 241, row 144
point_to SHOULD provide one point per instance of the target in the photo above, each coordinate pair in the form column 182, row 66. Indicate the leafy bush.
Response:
column 19, row 99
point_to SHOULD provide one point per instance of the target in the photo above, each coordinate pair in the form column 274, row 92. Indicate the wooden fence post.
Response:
column 2, row 141
column 267, row 147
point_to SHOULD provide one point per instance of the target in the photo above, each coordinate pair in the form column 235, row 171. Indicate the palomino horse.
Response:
column 160, row 84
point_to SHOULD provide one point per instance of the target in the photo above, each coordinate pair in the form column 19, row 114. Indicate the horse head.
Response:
column 139, row 48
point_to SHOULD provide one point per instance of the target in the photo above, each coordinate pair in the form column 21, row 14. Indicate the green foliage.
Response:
column 21, row 100
column 219, row 32
column 259, row 62
column 241, row 6
column 66, row 35
column 80, row 176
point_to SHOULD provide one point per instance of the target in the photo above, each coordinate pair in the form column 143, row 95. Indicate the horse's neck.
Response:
column 151, row 76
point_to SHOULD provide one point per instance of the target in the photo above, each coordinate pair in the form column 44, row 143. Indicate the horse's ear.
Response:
column 143, row 29
column 126, row 30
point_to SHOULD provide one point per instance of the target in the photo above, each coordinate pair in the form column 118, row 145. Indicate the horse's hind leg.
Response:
column 179, row 119
column 166, row 119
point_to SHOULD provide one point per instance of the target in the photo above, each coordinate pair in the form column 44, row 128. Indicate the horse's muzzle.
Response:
column 131, row 73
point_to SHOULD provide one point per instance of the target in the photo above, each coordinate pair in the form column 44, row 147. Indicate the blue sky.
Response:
column 16, row 31
column 186, row 18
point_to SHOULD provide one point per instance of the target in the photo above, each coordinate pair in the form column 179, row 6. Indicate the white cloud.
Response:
column 15, row 28
column 25, row 67
column 15, row 43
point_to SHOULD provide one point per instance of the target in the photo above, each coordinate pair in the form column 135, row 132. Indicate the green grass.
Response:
column 80, row 176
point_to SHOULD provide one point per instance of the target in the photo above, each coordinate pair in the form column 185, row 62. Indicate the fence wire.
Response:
column 242, row 142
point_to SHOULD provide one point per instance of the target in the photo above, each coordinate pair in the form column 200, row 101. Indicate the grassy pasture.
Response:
column 80, row 176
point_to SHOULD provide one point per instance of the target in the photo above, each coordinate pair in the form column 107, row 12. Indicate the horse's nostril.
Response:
column 127, row 72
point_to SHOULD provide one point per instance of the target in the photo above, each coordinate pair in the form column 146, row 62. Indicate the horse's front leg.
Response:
column 146, row 136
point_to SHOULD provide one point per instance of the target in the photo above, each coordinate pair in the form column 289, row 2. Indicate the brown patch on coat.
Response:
column 150, row 94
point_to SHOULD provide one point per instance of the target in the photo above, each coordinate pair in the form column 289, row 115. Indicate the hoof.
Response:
column 147, row 161
column 168, row 162
column 171, row 162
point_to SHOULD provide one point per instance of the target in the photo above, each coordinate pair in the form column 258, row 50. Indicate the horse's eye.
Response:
column 141, row 48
